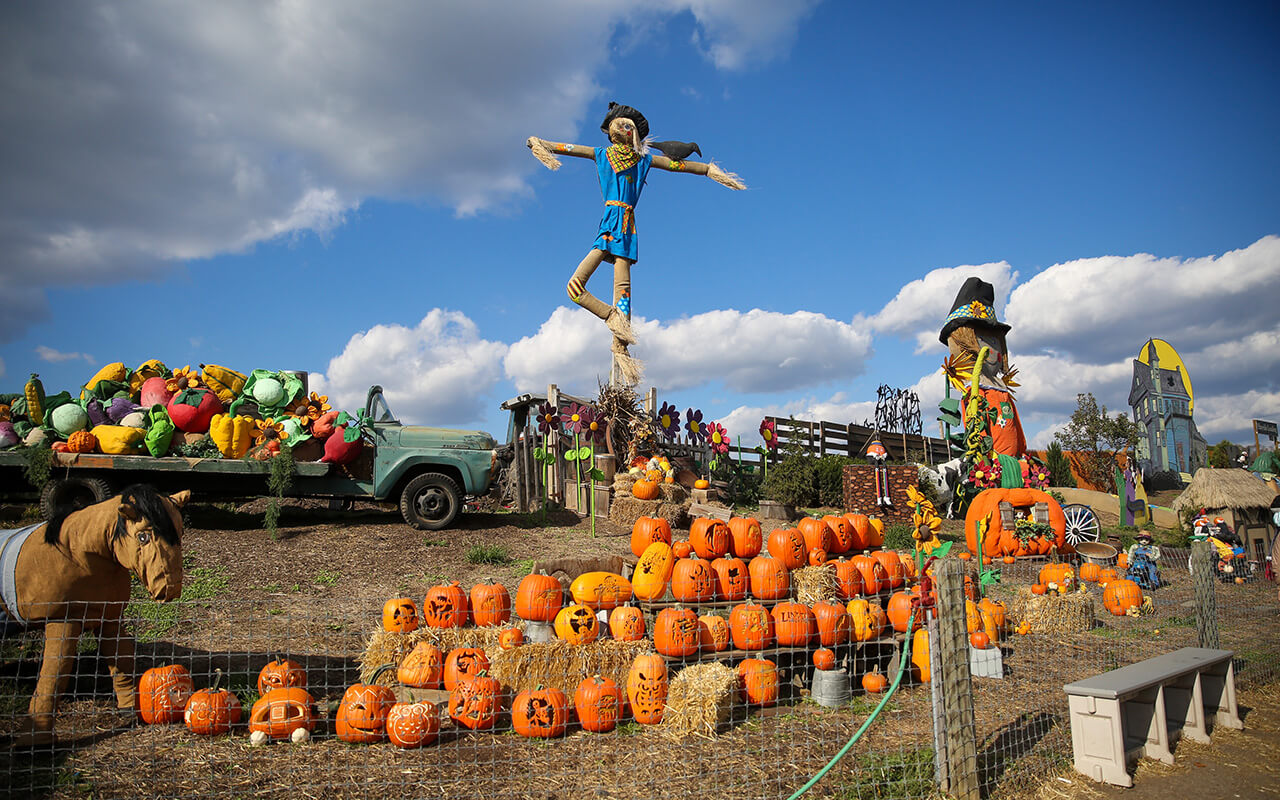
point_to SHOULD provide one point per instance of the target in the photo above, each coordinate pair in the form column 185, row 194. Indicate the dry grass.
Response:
column 700, row 701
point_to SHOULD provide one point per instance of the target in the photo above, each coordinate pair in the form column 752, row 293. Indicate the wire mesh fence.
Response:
column 727, row 719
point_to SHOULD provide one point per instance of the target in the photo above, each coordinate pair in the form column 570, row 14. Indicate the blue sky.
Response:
column 344, row 189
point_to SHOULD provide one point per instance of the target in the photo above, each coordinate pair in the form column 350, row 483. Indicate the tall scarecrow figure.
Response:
column 622, row 167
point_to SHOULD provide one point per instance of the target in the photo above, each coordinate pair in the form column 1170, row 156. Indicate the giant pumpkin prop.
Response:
column 998, row 541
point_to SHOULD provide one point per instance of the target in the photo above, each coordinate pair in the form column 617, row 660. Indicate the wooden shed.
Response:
column 1239, row 497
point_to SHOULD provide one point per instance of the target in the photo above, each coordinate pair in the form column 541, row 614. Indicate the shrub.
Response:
column 828, row 473
column 791, row 481
column 1059, row 467
column 742, row 484
column 898, row 537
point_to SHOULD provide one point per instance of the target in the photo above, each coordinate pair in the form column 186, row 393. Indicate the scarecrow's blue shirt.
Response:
column 621, row 190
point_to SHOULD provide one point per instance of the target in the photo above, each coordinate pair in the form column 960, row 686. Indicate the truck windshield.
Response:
column 379, row 411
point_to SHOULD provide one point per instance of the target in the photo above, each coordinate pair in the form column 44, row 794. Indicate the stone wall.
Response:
column 860, row 493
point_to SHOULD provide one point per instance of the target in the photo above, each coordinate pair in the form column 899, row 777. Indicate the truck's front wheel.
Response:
column 430, row 501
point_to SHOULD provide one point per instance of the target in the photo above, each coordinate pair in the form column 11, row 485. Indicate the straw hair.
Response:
column 815, row 584
column 700, row 699
column 544, row 155
column 1235, row 489
column 724, row 178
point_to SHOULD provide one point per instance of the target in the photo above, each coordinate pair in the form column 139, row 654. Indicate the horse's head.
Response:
column 148, row 539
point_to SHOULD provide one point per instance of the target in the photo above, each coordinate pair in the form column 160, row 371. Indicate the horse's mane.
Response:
column 142, row 496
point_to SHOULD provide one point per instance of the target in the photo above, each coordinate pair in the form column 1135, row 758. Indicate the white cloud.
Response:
column 439, row 372
column 919, row 307
column 749, row 352
column 142, row 134
column 1230, row 416
column 745, row 421
column 57, row 357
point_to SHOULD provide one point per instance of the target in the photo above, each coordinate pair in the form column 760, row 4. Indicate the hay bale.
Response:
column 626, row 509
column 815, row 584
column 673, row 493
column 563, row 665
column 700, row 699
column 391, row 647
column 1052, row 613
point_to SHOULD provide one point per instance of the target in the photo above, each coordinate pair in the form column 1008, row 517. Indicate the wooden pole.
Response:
column 1203, row 578
column 951, row 663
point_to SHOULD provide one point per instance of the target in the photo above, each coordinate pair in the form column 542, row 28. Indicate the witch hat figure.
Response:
column 622, row 169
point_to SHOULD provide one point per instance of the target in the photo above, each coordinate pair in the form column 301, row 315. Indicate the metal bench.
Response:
column 1141, row 709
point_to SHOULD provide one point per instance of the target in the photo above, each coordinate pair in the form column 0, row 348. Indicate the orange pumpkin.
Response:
column 1039, row 588
column 702, row 483
column 423, row 668
column 676, row 633
column 281, row 674
column 510, row 639
column 817, row 557
column 860, row 530
column 1107, row 575
column 1058, row 573
column 841, row 533
column 1009, row 560
column 921, row 666
column 163, row 693
column 732, row 578
column 602, row 591
column 577, row 624
column 874, row 578
column 362, row 712
column 713, row 633
column 82, row 442
column 445, row 606
column 817, row 536
column 1000, row 542
column 1090, row 572
column 788, row 545
column 1121, row 595
column 769, row 578
column 212, row 711
column 834, row 625
column 682, row 548
column 824, row 659
column 412, row 725
column 710, row 537
column 490, row 604
column 758, row 680
column 653, row 570
column 901, row 613
column 875, row 538
column 476, row 701
column 278, row 713
column 463, row 663
column 626, row 624
column 892, row 567
column 693, row 581
column 794, row 624
column 539, row 597
column 647, row 688
column 645, row 490
column 980, row 640
column 541, row 713
column 868, row 620
column 648, row 530
column 1122, row 561
column 598, row 703
column 745, row 538
column 751, row 626
column 848, row 580
column 399, row 615
column 874, row 682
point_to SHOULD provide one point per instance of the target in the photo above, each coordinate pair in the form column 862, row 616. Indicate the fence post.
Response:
column 951, row 663
column 1203, row 577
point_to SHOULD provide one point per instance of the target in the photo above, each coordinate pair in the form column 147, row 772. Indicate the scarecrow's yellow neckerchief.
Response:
column 621, row 157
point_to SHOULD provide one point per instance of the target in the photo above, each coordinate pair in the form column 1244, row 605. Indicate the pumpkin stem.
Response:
column 217, row 678
column 383, row 668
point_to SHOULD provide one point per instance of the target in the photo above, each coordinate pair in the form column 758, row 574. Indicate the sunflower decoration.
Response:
column 717, row 437
column 594, row 431
column 669, row 420
column 693, row 424
column 769, row 432
column 925, row 524
column 269, row 430
column 985, row 475
column 182, row 378
column 576, row 417
column 317, row 406
column 548, row 418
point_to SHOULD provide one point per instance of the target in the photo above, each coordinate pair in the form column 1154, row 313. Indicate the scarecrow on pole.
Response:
column 622, row 168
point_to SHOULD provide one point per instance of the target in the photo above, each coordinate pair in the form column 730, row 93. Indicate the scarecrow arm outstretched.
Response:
column 546, row 152
column 698, row 168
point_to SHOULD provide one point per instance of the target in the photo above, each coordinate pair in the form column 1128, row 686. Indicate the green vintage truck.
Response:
column 428, row 471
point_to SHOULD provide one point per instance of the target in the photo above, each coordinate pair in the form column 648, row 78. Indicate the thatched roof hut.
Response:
column 1241, row 498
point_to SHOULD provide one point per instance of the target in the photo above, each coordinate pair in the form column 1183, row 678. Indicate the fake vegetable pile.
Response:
column 208, row 412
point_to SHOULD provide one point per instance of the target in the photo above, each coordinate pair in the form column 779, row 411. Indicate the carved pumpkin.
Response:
column 999, row 542
column 281, row 674
column 399, row 615
column 445, row 606
column 411, row 725
column 362, row 713
column 758, row 679
column 868, row 620
column 817, row 557
column 794, row 624
column 713, row 633
column 751, row 626
column 1121, row 595
column 874, row 578
column 859, row 530
column 834, row 625
column 745, row 538
column 710, row 537
column 653, row 570
column 647, row 688
column 463, row 663
column 824, row 659
column 732, row 578
column 577, row 624
column 626, row 624
column 541, row 713
column 921, row 671
column 787, row 544
column 539, row 598
column 892, row 567
column 901, row 613
column 603, row 591
column 675, row 632
column 693, row 581
column 817, row 536
column 511, row 638
column 476, row 701
column 280, row 712
column 212, row 711
column 648, row 530
column 841, row 533
column 163, row 693
column 848, row 580
column 423, row 668
column 769, row 578
column 598, row 703
column 490, row 604
column 645, row 490
column 874, row 682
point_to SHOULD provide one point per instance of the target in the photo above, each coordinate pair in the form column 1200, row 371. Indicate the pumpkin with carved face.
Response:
column 577, row 624
column 647, row 688
column 399, row 615
column 412, row 725
column 490, row 604
column 598, row 703
column 163, row 693
column 745, row 538
column 280, row 712
column 626, row 624
column 463, row 663
column 834, row 625
column 511, row 638
column 653, row 570
column 281, row 674
column 732, row 579
column 676, row 633
column 788, row 545
column 476, row 701
column 693, row 581
column 362, row 713
column 423, row 668
column 758, row 680
column 542, row 713
column 445, row 606
column 751, row 626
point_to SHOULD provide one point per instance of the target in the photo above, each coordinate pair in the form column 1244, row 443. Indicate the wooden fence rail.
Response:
column 833, row 438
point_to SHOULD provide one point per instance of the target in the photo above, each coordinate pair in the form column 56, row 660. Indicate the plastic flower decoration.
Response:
column 769, row 432
column 595, row 428
column 697, row 431
column 669, row 420
column 548, row 418
column 182, row 378
column 576, row 417
column 925, row 524
column 985, row 475
column 1038, row 476
column 269, row 429
column 717, row 437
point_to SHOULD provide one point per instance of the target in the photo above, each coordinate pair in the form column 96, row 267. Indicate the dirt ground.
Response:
column 315, row 593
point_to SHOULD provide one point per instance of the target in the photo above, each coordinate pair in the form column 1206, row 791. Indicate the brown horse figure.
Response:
column 71, row 574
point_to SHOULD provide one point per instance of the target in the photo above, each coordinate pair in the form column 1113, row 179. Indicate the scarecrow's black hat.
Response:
column 615, row 111
column 975, row 306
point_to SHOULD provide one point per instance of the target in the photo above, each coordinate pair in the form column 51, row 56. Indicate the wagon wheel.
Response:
column 1082, row 524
